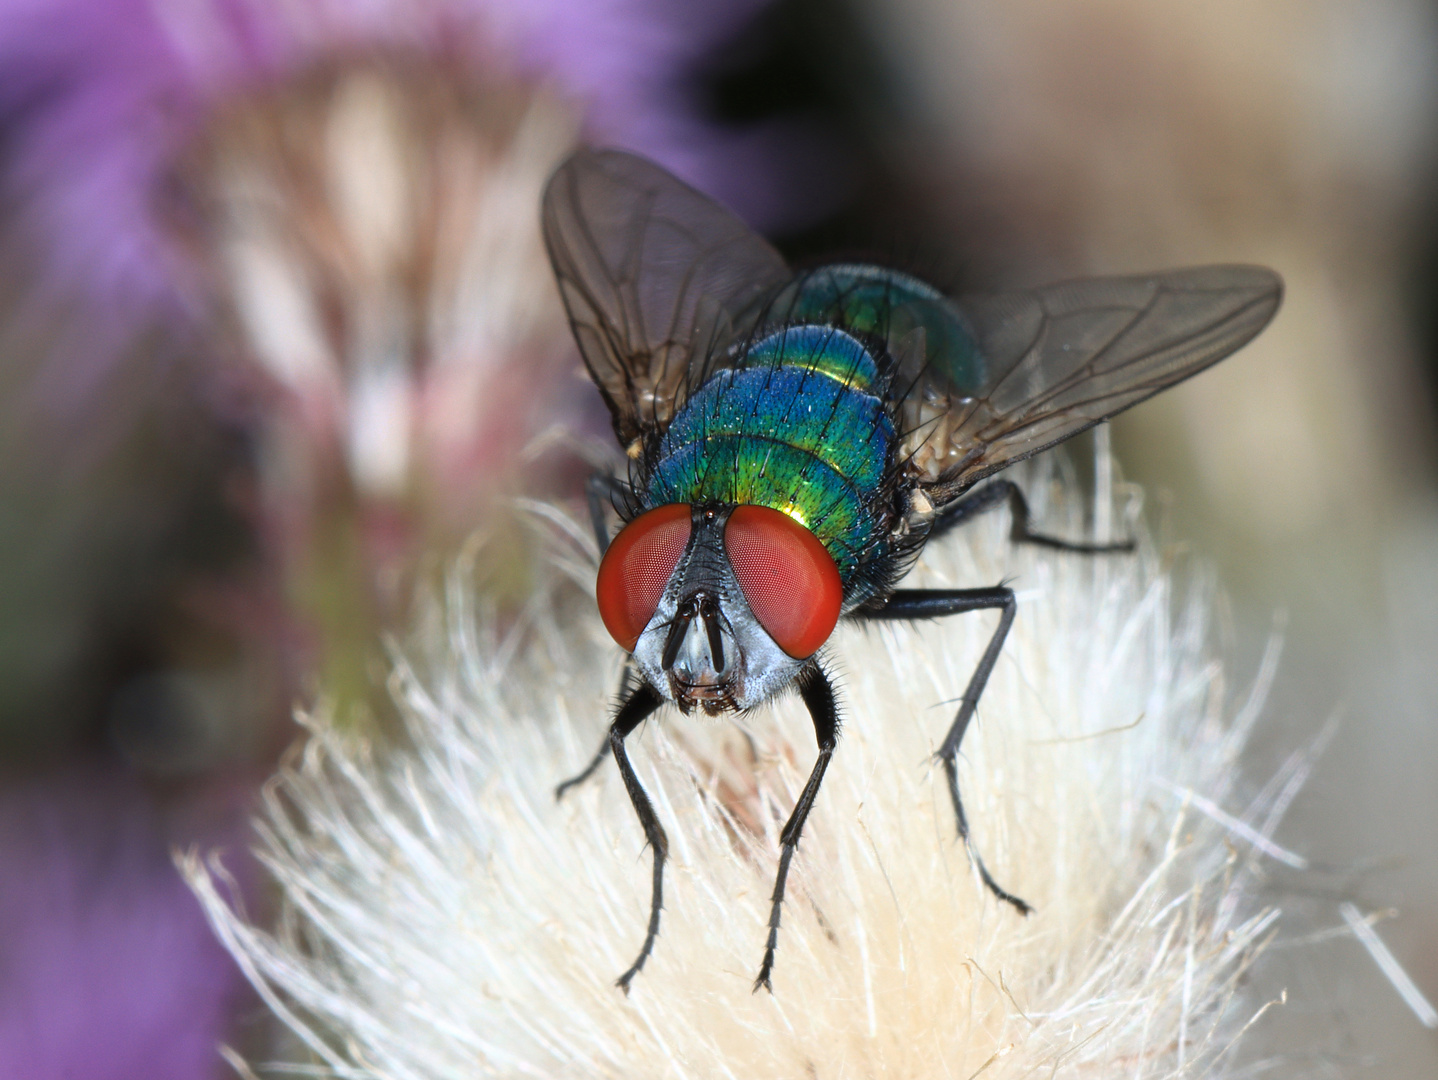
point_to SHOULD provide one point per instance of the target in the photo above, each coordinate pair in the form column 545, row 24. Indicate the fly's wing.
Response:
column 653, row 275
column 1048, row 363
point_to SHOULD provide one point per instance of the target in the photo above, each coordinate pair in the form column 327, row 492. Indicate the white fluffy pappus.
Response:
column 444, row 916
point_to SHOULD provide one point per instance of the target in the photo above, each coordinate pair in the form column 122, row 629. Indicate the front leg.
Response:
column 640, row 704
column 818, row 695
column 585, row 773
column 933, row 604
column 628, row 684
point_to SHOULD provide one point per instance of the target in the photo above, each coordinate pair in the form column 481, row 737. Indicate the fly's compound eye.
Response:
column 789, row 579
column 637, row 566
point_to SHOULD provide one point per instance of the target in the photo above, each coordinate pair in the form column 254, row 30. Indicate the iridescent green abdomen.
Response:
column 797, row 428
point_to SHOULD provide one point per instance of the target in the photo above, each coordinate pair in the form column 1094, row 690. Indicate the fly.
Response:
column 795, row 439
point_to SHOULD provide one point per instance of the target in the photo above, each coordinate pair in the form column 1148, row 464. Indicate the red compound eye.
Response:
column 790, row 581
column 637, row 566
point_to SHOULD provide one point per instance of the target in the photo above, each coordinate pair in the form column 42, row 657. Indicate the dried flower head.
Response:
column 102, row 98
column 446, row 917
column 370, row 232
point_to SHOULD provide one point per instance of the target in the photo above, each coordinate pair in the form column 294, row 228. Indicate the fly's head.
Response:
column 720, row 605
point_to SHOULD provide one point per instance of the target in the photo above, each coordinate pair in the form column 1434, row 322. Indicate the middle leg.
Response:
column 935, row 603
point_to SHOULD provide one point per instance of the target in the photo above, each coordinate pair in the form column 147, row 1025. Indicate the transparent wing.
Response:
column 653, row 275
column 1051, row 362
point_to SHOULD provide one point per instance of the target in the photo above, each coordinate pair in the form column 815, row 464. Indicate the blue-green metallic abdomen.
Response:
column 797, row 428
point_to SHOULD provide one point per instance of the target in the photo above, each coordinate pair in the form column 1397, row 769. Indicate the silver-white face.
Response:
column 704, row 647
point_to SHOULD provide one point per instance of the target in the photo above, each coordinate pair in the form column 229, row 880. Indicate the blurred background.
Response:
column 277, row 338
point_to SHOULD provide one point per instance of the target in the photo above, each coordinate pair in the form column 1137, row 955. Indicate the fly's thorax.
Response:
column 704, row 646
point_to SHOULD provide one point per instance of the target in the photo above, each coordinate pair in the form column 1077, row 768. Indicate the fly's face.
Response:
column 721, row 606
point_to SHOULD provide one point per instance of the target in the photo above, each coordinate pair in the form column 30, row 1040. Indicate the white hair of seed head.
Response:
column 444, row 916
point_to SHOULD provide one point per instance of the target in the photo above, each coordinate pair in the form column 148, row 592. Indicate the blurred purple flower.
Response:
column 108, row 970
column 100, row 95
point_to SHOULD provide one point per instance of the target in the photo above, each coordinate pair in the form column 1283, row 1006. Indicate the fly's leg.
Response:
column 626, row 684
column 935, row 603
column 635, row 707
column 818, row 695
column 996, row 493
column 634, row 710
column 600, row 489
column 588, row 771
